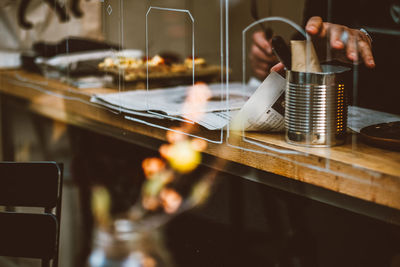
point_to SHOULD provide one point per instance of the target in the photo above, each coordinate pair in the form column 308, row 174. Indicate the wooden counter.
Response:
column 354, row 169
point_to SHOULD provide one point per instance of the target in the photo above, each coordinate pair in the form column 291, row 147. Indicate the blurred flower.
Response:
column 175, row 136
column 151, row 166
column 170, row 200
column 198, row 93
column 101, row 203
column 196, row 101
column 153, row 187
column 199, row 144
column 165, row 151
column 150, row 202
column 182, row 157
column 148, row 261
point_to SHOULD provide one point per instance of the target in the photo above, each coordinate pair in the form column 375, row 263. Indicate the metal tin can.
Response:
column 316, row 107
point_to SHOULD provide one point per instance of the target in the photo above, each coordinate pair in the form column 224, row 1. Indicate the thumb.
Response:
column 279, row 68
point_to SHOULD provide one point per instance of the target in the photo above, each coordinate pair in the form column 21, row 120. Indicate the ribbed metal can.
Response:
column 316, row 107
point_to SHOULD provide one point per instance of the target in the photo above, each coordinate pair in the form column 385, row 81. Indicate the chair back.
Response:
column 31, row 235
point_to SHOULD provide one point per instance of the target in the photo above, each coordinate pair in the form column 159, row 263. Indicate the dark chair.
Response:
column 31, row 235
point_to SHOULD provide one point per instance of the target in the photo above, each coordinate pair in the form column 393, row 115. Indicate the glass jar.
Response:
column 125, row 246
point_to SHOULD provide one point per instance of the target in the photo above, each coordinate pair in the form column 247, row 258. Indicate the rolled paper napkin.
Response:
column 265, row 110
column 299, row 60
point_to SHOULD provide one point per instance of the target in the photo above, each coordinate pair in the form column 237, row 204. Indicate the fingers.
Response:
column 315, row 26
column 352, row 49
column 335, row 34
column 256, row 53
column 261, row 74
column 280, row 68
column 260, row 67
column 357, row 42
column 260, row 41
column 366, row 53
column 356, row 46
column 261, row 55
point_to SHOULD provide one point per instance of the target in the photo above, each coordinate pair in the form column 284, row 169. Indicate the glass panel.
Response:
column 182, row 68
column 311, row 113
column 270, row 20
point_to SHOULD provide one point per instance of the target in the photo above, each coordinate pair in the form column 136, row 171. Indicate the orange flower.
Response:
column 183, row 158
column 165, row 151
column 173, row 136
column 196, row 101
column 148, row 261
column 152, row 166
column 199, row 144
column 150, row 203
column 170, row 200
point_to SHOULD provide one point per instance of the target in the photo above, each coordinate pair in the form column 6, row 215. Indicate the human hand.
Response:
column 261, row 56
column 358, row 43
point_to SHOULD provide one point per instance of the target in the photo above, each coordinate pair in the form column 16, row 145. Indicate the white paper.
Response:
column 265, row 109
column 257, row 110
column 170, row 101
column 214, row 120
column 127, row 111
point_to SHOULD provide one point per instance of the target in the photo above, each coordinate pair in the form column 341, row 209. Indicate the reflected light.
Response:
column 58, row 130
column 201, row 191
column 101, row 203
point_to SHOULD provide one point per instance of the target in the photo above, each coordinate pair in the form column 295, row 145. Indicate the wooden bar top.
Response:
column 354, row 169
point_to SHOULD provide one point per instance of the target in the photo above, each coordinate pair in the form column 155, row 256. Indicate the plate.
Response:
column 384, row 135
